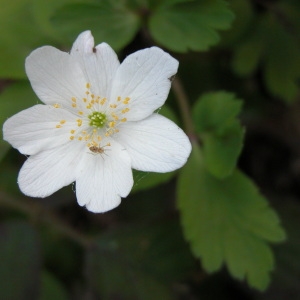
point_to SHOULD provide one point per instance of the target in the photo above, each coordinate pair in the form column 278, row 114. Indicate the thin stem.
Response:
column 183, row 103
column 37, row 212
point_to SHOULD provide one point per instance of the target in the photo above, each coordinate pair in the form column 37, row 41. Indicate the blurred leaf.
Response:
column 20, row 261
column 138, row 262
column 243, row 16
column 14, row 98
column 19, row 35
column 190, row 26
column 51, row 288
column 227, row 221
column 110, row 21
column 43, row 10
column 269, row 44
column 215, row 120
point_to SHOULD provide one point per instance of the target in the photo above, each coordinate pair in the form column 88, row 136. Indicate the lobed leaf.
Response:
column 227, row 221
column 191, row 25
column 215, row 120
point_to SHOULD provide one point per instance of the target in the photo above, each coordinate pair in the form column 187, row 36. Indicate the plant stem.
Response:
column 183, row 104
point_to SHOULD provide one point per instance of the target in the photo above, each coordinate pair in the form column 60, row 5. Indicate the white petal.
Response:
column 145, row 76
column 34, row 129
column 55, row 76
column 48, row 171
column 99, row 63
column 104, row 179
column 155, row 144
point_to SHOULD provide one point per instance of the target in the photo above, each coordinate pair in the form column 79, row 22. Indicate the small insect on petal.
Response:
column 96, row 149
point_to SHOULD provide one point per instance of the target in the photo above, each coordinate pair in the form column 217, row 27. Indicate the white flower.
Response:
column 98, row 122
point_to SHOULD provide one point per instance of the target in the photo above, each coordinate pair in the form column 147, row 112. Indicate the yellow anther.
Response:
column 99, row 138
column 89, row 106
column 72, row 131
column 56, row 105
column 95, row 130
column 126, row 100
column 87, row 92
column 116, row 118
column 117, row 130
column 92, row 95
column 97, row 100
column 125, row 110
column 73, row 99
column 80, row 112
column 62, row 121
column 107, row 134
column 111, row 124
column 79, row 122
column 83, row 132
column 74, row 105
column 123, row 120
column 84, row 100
column 108, row 144
column 58, row 126
column 113, row 105
column 103, row 101
column 89, row 145
column 88, row 85
column 80, row 138
column 72, row 137
column 119, row 98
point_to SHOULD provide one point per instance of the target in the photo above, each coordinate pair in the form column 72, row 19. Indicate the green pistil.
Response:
column 98, row 119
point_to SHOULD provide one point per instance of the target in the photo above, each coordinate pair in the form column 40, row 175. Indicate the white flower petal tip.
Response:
column 155, row 144
column 98, row 122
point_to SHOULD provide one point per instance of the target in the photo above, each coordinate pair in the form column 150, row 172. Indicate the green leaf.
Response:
column 288, row 254
column 19, row 35
column 190, row 26
column 43, row 10
column 216, row 110
column 137, row 262
column 271, row 46
column 222, row 135
column 110, row 21
column 14, row 98
column 51, row 288
column 20, row 261
column 243, row 17
column 222, row 151
column 227, row 221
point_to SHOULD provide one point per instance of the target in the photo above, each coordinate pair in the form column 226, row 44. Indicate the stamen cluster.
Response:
column 96, row 118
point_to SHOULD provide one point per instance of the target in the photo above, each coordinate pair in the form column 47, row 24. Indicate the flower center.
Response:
column 97, row 119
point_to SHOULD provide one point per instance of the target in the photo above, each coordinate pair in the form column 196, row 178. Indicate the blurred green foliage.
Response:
column 227, row 50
